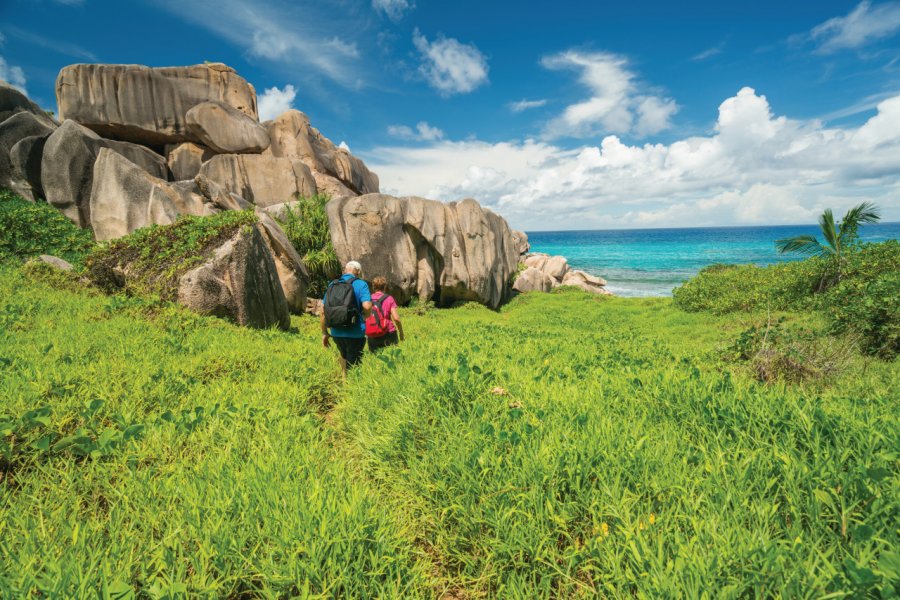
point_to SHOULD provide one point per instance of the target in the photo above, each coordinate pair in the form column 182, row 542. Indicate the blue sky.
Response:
column 559, row 116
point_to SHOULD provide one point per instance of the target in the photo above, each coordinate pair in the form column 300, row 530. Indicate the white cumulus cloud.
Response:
column 450, row 66
column 393, row 9
column 616, row 103
column 525, row 104
column 756, row 167
column 422, row 133
column 864, row 24
column 275, row 101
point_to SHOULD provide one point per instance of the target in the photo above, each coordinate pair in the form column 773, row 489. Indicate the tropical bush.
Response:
column 157, row 256
column 306, row 225
column 865, row 302
column 29, row 229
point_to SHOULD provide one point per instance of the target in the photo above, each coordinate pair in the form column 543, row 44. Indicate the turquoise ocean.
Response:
column 651, row 262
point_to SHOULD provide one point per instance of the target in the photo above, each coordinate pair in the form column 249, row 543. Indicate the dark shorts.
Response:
column 378, row 343
column 351, row 349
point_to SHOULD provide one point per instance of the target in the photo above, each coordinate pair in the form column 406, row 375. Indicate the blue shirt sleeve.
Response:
column 362, row 291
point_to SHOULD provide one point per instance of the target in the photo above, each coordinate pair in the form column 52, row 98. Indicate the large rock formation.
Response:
column 259, row 178
column 147, row 105
column 225, row 129
column 124, row 197
column 427, row 249
column 293, row 137
column 542, row 269
column 67, row 167
column 240, row 283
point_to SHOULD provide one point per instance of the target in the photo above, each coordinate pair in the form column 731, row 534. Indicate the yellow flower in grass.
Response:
column 652, row 518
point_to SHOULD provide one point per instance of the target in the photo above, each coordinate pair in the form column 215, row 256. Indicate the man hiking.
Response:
column 346, row 305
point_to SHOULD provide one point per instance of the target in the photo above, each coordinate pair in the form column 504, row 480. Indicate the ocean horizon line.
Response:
column 785, row 226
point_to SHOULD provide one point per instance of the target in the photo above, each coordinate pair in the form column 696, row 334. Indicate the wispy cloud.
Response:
column 13, row 75
column 55, row 45
column 709, row 52
column 617, row 104
column 450, row 66
column 525, row 104
column 393, row 9
column 422, row 133
column 863, row 25
column 300, row 35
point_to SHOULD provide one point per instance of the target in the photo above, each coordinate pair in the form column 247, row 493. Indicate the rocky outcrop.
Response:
column 450, row 252
column 521, row 240
column 226, row 130
column 147, row 105
column 185, row 159
column 239, row 282
column 533, row 280
column 12, row 102
column 292, row 136
column 17, row 127
column 124, row 197
column 556, row 271
column 67, row 167
column 261, row 179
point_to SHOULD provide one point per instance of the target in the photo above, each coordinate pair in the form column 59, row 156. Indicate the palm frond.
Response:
column 801, row 244
column 829, row 230
column 866, row 212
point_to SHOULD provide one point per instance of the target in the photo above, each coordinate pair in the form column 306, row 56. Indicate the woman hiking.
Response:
column 383, row 326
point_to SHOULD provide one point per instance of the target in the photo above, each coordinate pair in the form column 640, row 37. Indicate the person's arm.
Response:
column 367, row 309
column 395, row 319
column 365, row 297
column 325, row 334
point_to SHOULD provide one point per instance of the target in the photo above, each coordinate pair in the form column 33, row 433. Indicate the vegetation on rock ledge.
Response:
column 305, row 223
column 29, row 229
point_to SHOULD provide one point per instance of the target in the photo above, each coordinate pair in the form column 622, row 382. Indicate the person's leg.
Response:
column 355, row 349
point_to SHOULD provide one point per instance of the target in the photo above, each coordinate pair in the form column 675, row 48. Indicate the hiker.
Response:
column 383, row 323
column 346, row 305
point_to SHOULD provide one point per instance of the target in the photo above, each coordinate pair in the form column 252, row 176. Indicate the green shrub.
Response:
column 157, row 256
column 29, row 229
column 306, row 225
column 869, row 308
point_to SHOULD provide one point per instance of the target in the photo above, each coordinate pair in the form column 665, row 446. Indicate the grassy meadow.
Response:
column 738, row 441
column 565, row 446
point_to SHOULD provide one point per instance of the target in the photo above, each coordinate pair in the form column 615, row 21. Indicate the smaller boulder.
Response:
column 185, row 159
column 56, row 263
column 556, row 267
column 225, row 129
column 520, row 239
column 292, row 272
column 532, row 280
column 239, row 282
column 13, row 101
column 13, row 130
column 219, row 197
column 586, row 282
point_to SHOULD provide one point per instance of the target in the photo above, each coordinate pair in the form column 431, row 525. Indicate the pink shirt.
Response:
column 386, row 307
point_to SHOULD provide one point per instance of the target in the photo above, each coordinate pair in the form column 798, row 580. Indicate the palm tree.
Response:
column 837, row 237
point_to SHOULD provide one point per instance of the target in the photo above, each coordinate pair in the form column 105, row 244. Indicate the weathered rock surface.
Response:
column 225, row 129
column 293, row 137
column 521, row 239
column 12, row 101
column 556, row 267
column 261, row 179
column 326, row 184
column 427, row 249
column 25, row 160
column 533, row 280
column 185, row 159
column 124, row 198
column 589, row 283
column 67, row 167
column 14, row 129
column 292, row 272
column 147, row 105
column 218, row 196
column 239, row 282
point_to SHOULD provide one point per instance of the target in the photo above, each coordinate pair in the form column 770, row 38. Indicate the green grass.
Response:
column 565, row 446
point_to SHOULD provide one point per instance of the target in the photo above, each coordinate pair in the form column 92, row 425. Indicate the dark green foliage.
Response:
column 29, row 229
column 306, row 225
column 157, row 256
column 865, row 303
